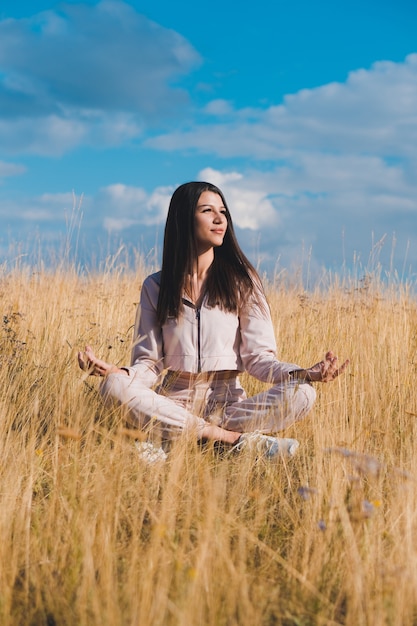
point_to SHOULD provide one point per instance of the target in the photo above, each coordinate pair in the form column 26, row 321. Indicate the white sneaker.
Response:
column 149, row 453
column 266, row 446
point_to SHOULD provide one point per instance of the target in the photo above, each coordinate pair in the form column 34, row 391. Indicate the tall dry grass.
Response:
column 89, row 535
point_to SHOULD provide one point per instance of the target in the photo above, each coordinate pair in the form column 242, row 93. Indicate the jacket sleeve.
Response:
column 258, row 345
column 147, row 351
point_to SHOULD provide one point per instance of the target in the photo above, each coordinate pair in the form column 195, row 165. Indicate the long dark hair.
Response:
column 231, row 277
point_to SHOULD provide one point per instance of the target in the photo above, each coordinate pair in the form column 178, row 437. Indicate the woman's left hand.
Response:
column 327, row 370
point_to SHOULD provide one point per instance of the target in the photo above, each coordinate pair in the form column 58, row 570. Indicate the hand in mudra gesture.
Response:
column 94, row 366
column 327, row 370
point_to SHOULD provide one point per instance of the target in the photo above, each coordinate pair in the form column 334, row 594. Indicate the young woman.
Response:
column 202, row 321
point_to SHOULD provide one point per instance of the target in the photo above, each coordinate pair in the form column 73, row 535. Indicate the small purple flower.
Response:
column 305, row 492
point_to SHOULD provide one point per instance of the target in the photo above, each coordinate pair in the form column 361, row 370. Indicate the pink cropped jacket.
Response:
column 206, row 339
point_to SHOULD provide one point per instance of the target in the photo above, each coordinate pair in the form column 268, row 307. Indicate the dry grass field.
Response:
column 91, row 536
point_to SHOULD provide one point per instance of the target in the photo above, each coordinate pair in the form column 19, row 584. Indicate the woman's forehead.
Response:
column 210, row 198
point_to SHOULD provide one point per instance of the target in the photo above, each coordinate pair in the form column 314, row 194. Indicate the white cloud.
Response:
column 278, row 223
column 49, row 135
column 122, row 206
column 251, row 205
column 330, row 169
column 59, row 208
column 340, row 165
column 11, row 169
column 88, row 72
column 218, row 108
column 373, row 112
column 323, row 209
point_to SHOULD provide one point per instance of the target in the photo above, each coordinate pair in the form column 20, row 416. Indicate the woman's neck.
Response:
column 204, row 261
column 195, row 286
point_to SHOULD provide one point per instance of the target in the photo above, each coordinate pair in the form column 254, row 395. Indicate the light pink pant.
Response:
column 181, row 405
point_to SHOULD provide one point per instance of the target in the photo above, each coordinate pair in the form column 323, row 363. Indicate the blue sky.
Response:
column 304, row 113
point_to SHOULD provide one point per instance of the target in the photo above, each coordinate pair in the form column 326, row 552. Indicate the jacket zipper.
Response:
column 197, row 314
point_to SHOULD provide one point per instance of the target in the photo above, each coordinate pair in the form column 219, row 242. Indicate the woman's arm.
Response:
column 147, row 350
column 258, row 350
column 148, row 345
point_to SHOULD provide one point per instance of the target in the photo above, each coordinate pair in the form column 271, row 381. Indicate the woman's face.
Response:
column 210, row 221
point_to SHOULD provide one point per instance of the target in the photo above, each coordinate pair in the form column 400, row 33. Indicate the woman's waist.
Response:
column 190, row 377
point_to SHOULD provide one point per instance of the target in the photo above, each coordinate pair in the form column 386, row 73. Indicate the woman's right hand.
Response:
column 88, row 362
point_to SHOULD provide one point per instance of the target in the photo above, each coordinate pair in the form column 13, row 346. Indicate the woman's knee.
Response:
column 113, row 388
column 306, row 397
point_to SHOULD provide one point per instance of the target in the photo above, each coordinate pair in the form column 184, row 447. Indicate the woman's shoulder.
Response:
column 153, row 279
column 150, row 290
